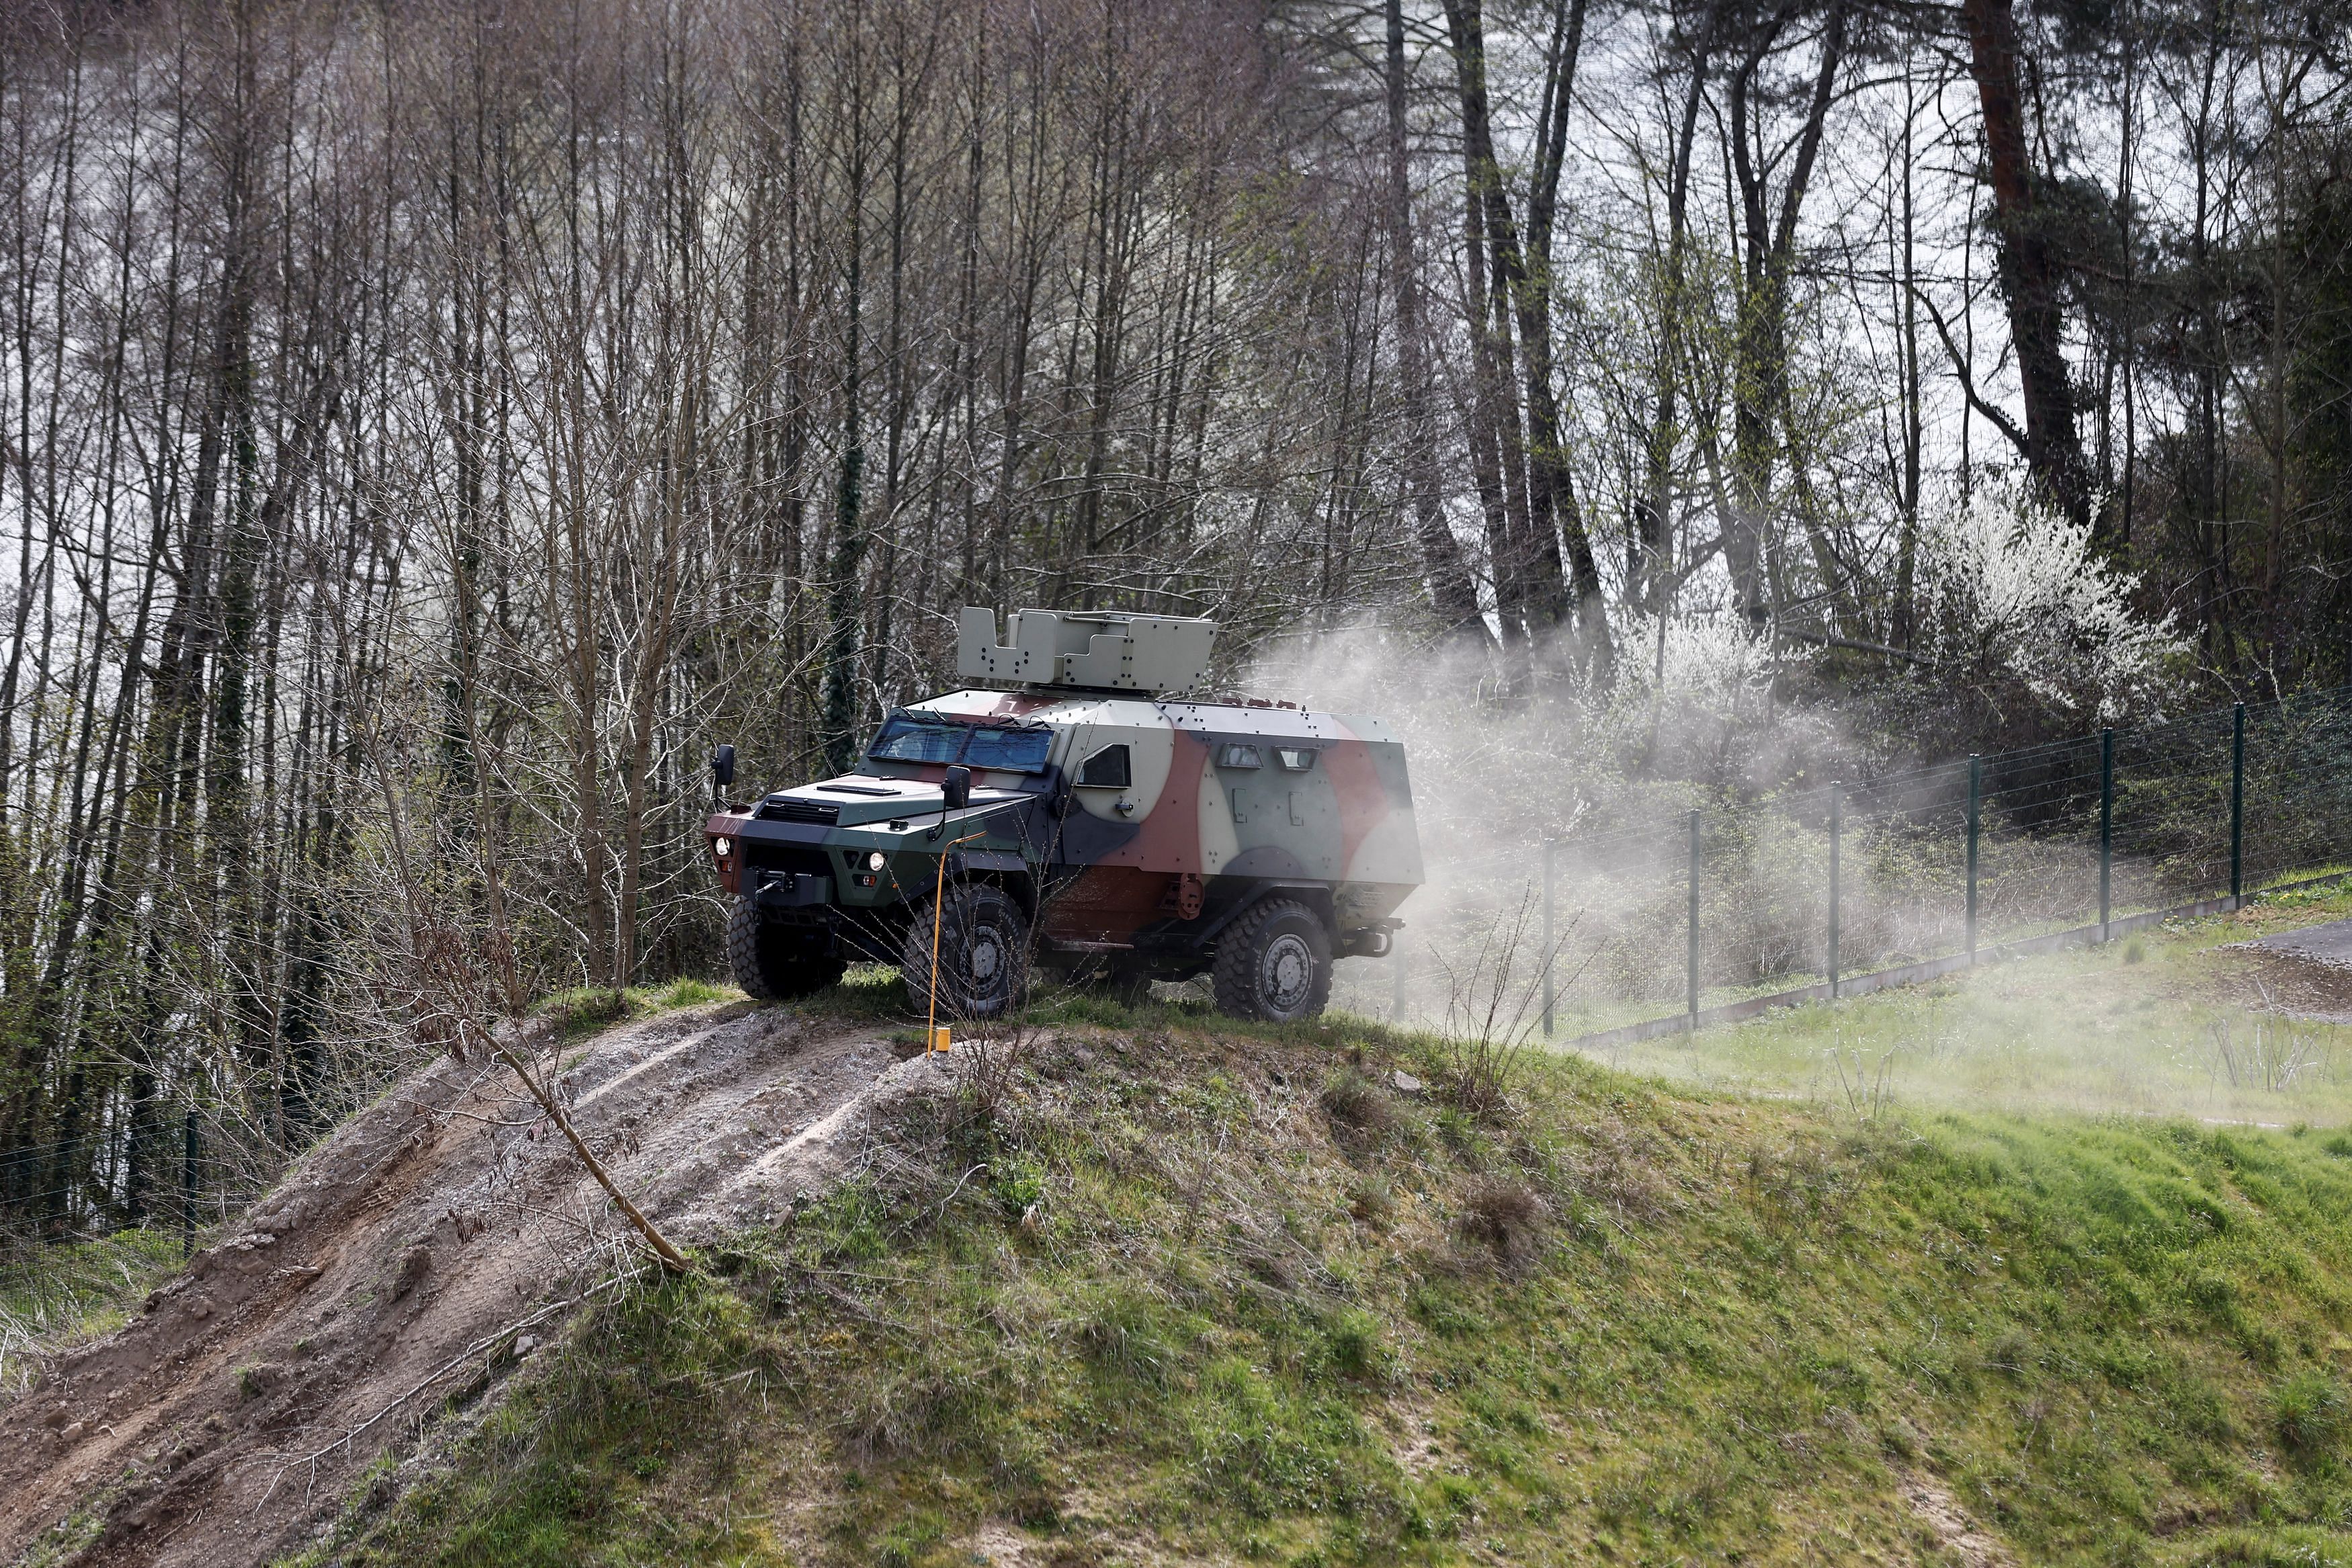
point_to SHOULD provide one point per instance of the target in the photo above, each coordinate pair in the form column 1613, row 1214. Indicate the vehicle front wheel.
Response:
column 983, row 954
column 774, row 962
column 1275, row 964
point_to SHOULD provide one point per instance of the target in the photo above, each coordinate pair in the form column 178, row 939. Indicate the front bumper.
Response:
column 778, row 891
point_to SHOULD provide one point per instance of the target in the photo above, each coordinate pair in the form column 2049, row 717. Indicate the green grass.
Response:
column 1579, row 1012
column 1221, row 1295
column 57, row 1295
column 584, row 1011
column 2164, row 1022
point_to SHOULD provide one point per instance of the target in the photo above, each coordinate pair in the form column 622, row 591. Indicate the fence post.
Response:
column 1692, row 977
column 2238, row 806
column 1551, row 848
column 188, row 1182
column 1976, row 824
column 2107, row 824
column 1837, row 828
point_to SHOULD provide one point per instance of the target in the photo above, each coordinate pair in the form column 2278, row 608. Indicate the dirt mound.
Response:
column 426, row 1247
column 2305, row 973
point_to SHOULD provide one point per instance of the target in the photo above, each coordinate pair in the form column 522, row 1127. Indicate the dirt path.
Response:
column 2329, row 944
column 2304, row 974
column 434, row 1236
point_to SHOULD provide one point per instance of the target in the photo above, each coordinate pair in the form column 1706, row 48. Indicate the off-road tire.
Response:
column 983, row 946
column 769, row 963
column 1273, row 964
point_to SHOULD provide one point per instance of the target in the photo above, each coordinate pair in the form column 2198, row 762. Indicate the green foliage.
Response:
column 687, row 993
column 2189, row 1030
column 584, row 1011
column 2311, row 1414
column 1018, row 1183
column 578, row 1013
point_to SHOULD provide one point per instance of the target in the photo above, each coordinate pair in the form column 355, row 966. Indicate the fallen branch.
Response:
column 440, row 958
column 671, row 1258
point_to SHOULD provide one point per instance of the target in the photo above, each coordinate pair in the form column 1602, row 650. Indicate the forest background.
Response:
column 426, row 429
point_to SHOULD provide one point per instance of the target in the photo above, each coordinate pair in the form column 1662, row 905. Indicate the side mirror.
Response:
column 723, row 767
column 957, row 787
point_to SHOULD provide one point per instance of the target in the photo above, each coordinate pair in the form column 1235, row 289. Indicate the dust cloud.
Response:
column 1607, row 771
column 1692, row 724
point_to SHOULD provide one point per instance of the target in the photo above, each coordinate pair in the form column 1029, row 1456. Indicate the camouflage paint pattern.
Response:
column 1153, row 866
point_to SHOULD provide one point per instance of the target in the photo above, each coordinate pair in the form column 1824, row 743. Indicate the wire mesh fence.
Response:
column 185, row 1177
column 1812, row 884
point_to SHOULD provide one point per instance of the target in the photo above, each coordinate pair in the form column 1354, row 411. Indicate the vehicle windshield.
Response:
column 918, row 737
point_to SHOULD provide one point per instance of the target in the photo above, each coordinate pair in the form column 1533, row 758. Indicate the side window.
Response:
column 1106, row 769
column 1236, row 755
column 1295, row 759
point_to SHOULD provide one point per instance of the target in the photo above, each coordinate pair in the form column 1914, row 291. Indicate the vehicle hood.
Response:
column 861, row 798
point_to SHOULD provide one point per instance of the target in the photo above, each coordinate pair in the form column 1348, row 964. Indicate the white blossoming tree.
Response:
column 2020, row 613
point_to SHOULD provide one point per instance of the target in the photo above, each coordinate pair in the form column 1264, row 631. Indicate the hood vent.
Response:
column 790, row 808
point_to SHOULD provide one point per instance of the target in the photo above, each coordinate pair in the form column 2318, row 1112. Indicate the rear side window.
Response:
column 1109, row 769
column 1236, row 755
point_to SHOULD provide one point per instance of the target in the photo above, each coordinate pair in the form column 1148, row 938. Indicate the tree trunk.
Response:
column 845, row 617
column 2029, row 271
column 1452, row 595
column 1498, row 456
column 1552, row 503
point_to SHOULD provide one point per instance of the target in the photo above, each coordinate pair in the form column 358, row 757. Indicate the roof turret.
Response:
column 1091, row 650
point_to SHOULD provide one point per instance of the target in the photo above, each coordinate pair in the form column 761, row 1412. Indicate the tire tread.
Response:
column 1234, row 973
column 743, row 952
column 761, row 976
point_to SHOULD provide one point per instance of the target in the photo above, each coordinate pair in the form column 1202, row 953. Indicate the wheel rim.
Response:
column 1286, row 973
column 986, row 960
column 978, row 977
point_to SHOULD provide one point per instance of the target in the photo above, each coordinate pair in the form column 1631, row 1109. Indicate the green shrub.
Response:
column 2309, row 1410
column 1018, row 1184
column 1356, row 1104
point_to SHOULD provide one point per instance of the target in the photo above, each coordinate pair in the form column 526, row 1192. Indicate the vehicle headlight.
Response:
column 722, row 846
column 876, row 860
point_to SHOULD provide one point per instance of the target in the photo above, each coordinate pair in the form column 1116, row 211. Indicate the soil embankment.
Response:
column 422, row 1251
column 2305, row 973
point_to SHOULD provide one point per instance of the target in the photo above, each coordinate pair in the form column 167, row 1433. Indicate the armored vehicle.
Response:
column 1084, row 811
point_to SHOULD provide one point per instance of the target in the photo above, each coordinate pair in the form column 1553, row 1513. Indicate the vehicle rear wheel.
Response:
column 983, row 954
column 1275, row 964
column 774, row 962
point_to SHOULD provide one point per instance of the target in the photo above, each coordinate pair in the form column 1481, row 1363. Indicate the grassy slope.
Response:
column 1216, row 1297
column 2136, row 1027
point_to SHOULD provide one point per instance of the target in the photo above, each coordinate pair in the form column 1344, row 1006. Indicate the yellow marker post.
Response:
column 935, row 1033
